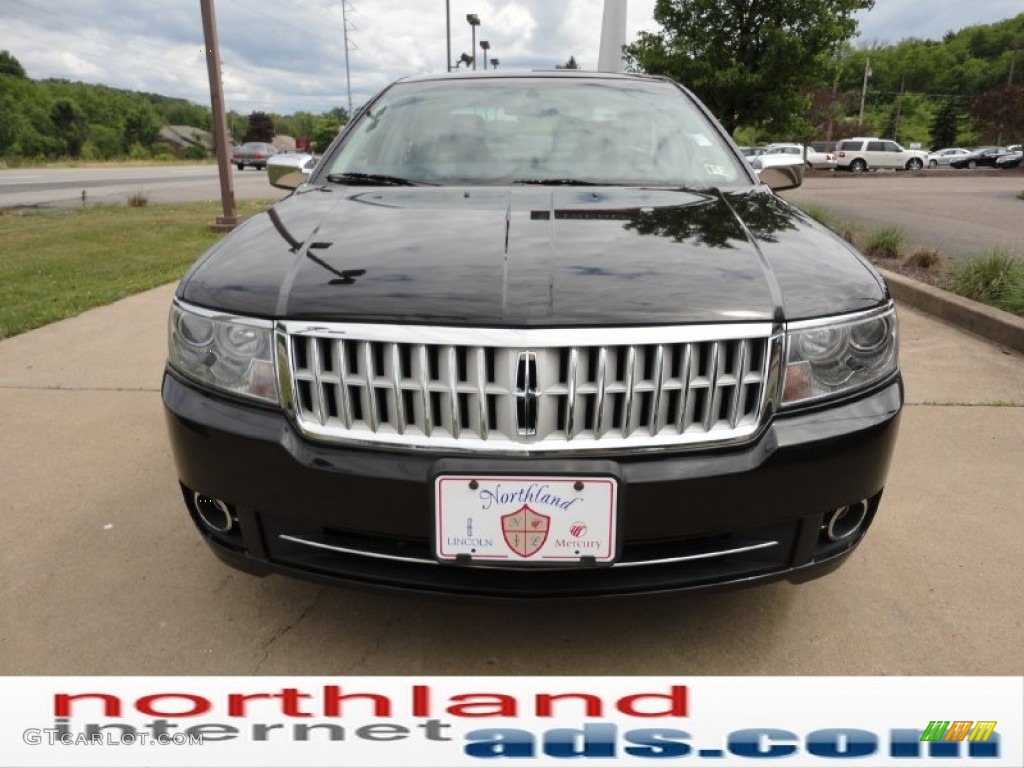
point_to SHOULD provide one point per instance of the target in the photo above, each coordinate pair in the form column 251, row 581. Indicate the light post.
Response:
column 485, row 47
column 494, row 63
column 474, row 21
column 448, row 31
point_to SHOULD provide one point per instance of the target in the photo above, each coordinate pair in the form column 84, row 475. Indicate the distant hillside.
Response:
column 41, row 119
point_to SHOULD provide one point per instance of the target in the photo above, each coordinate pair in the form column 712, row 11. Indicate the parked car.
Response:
column 286, row 163
column 861, row 154
column 751, row 152
column 945, row 156
column 254, row 153
column 1011, row 159
column 533, row 335
column 813, row 158
column 982, row 157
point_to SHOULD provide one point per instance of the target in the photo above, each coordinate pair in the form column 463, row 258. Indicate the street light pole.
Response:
column 448, row 31
column 485, row 47
column 474, row 21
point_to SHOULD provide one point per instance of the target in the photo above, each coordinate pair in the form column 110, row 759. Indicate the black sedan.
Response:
column 533, row 336
column 983, row 157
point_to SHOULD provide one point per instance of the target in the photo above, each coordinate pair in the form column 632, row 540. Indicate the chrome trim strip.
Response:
column 396, row 387
column 659, row 389
column 532, row 338
column 856, row 317
column 425, row 561
column 702, row 556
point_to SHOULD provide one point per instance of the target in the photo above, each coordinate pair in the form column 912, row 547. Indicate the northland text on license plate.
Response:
column 525, row 520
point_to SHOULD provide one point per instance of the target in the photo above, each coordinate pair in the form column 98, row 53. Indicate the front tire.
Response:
column 240, row 166
column 858, row 166
column 972, row 164
column 914, row 164
column 932, row 164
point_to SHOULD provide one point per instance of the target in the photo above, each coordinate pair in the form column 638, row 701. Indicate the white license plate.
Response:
column 523, row 520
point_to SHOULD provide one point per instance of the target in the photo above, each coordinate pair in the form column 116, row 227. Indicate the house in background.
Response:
column 182, row 138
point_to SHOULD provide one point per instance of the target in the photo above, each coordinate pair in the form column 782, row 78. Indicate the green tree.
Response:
column 946, row 125
column 325, row 128
column 746, row 60
column 570, row 64
column 141, row 126
column 999, row 113
column 10, row 65
column 70, row 125
column 261, row 127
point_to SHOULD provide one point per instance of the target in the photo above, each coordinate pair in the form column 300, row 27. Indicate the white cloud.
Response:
column 283, row 57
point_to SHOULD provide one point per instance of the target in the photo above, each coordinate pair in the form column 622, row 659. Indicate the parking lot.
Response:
column 959, row 213
column 102, row 573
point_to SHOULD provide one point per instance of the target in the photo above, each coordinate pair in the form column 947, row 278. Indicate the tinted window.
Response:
column 848, row 146
column 876, row 146
column 499, row 130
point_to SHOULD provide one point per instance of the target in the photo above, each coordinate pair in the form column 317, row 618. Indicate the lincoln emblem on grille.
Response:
column 526, row 394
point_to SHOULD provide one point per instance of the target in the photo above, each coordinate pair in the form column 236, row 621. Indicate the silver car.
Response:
column 945, row 156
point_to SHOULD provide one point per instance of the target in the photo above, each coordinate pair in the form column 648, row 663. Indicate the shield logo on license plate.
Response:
column 525, row 530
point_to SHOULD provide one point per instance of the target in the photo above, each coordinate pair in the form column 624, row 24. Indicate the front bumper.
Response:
column 691, row 520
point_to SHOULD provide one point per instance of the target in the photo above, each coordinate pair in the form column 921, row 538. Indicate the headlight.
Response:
column 230, row 353
column 831, row 358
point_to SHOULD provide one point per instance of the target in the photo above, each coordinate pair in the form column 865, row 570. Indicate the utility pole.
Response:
column 230, row 219
column 864, row 90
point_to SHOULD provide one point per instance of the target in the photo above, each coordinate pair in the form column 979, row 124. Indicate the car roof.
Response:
column 506, row 74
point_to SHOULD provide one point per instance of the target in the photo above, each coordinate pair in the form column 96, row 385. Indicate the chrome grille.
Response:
column 528, row 390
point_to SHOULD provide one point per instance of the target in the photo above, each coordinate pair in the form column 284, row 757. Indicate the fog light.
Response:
column 846, row 521
column 213, row 513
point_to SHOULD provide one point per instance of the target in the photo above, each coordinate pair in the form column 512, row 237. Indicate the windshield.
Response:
column 535, row 130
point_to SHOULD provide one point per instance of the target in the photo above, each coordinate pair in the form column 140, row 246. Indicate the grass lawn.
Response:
column 58, row 263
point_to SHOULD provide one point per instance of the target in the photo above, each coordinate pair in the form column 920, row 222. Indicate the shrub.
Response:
column 885, row 243
column 923, row 258
column 139, row 152
column 138, row 199
column 995, row 278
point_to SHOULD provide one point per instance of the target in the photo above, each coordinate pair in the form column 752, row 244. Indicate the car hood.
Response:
column 532, row 256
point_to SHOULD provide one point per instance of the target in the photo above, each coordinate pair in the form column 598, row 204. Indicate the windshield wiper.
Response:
column 561, row 182
column 372, row 179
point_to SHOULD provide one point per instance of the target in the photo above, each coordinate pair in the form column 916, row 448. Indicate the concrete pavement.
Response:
column 101, row 572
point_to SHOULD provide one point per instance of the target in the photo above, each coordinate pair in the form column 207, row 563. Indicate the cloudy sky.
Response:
column 285, row 56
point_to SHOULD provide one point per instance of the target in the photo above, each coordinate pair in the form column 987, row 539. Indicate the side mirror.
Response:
column 781, row 177
column 289, row 170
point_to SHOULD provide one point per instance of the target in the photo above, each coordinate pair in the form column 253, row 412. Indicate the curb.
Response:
column 993, row 324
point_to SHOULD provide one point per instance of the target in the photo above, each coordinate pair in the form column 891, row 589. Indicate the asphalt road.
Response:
column 63, row 187
column 956, row 212
column 101, row 571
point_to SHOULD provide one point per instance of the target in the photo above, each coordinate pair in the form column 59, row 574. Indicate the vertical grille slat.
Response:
column 370, row 413
column 684, row 391
column 627, row 411
column 711, row 401
column 317, row 392
column 480, row 353
column 344, row 402
column 602, row 382
column 571, row 429
column 656, row 422
column 455, row 425
column 737, row 391
column 396, row 388
column 452, row 391
column 427, row 422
